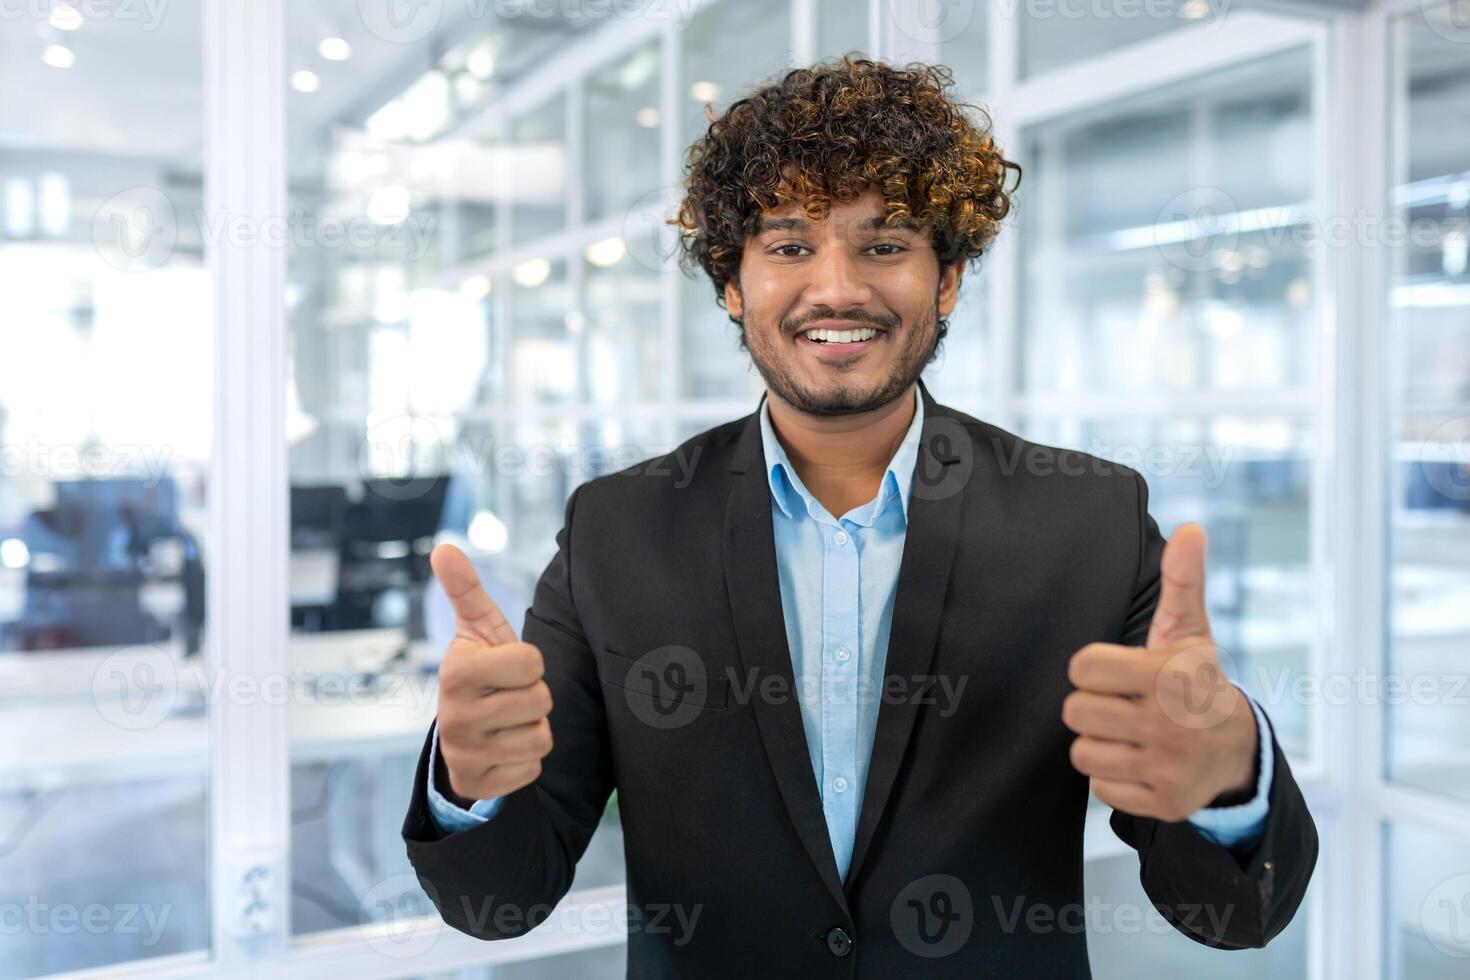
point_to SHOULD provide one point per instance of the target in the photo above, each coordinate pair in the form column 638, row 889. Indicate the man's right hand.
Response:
column 494, row 708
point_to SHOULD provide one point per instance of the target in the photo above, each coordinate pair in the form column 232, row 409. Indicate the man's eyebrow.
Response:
column 867, row 224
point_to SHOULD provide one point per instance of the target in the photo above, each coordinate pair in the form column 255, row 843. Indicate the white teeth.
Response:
column 843, row 336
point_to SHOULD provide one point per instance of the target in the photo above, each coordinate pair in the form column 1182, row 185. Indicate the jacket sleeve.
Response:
column 1225, row 899
column 502, row 878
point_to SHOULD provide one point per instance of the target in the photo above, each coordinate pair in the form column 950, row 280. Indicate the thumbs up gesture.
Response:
column 493, row 705
column 1161, row 730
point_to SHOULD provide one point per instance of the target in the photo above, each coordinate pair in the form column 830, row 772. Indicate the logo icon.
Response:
column 667, row 688
column 397, row 917
column 1194, row 688
column 946, row 460
column 135, row 230
column 1196, row 228
column 400, row 21
column 933, row 916
column 1446, row 916
column 136, row 687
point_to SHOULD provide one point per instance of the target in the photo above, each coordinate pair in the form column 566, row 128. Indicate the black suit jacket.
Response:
column 660, row 623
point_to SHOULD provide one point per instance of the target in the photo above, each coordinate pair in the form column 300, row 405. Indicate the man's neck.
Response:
column 841, row 459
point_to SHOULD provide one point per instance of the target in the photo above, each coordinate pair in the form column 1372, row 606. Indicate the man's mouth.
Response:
column 857, row 335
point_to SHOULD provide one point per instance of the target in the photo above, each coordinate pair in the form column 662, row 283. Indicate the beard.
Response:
column 918, row 343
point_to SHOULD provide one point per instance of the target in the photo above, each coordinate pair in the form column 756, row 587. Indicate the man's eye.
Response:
column 896, row 248
column 781, row 249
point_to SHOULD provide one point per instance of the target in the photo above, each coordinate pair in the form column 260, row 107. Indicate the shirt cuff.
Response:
column 450, row 818
column 1243, row 824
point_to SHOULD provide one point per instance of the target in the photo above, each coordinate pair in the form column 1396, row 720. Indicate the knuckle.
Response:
column 543, row 739
column 1070, row 710
column 451, row 726
column 1078, row 753
column 535, row 663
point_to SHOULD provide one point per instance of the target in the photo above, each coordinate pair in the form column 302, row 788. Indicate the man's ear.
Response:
column 949, row 285
column 733, row 300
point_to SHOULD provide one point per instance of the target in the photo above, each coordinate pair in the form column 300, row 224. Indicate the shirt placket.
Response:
column 840, row 646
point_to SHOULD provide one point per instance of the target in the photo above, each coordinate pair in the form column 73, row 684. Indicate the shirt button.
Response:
column 839, row 784
column 843, row 654
column 839, row 942
column 840, row 537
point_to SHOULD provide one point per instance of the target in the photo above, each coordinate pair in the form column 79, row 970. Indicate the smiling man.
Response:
column 853, row 674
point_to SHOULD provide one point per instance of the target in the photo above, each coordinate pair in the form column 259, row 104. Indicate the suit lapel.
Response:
column 753, row 583
column 942, row 473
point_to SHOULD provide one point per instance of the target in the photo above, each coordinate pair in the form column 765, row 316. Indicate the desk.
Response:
column 60, row 733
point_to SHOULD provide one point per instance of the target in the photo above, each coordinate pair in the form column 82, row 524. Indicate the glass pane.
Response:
column 538, row 168
column 621, row 159
column 1054, row 35
column 962, row 46
column 711, row 362
column 1155, row 262
column 406, row 338
column 1127, row 938
column 623, row 324
column 1246, row 480
column 959, row 375
column 842, row 28
column 730, row 48
column 1429, row 627
column 545, row 357
column 105, row 441
column 1427, row 932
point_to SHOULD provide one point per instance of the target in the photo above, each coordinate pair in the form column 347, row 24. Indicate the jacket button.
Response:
column 839, row 942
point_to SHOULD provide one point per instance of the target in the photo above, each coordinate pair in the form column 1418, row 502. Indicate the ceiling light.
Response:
column 58, row 56
column 305, row 81
column 65, row 17
column 531, row 273
column 334, row 49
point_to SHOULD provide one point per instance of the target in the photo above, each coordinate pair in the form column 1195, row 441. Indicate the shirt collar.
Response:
column 789, row 492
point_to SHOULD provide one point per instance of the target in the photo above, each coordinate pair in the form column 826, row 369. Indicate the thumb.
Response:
column 1181, row 609
column 475, row 613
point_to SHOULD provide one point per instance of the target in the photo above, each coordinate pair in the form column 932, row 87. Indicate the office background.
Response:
column 1238, row 262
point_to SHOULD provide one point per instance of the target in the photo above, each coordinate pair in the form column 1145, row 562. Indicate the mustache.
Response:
column 888, row 323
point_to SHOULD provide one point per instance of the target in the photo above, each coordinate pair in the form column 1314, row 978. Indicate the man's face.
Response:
column 847, row 272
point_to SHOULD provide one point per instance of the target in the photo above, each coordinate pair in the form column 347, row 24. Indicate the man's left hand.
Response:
column 1161, row 730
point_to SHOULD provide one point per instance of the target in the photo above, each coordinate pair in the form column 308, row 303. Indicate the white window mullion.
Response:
column 245, row 187
column 1351, row 93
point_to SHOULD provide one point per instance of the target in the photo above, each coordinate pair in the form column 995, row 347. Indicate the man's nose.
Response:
column 837, row 280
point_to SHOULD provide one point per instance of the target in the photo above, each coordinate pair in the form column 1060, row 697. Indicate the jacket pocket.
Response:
column 668, row 682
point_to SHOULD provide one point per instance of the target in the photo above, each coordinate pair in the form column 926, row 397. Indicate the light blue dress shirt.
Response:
column 839, row 577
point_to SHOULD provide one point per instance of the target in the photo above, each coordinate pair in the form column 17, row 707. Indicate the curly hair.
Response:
column 828, row 133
